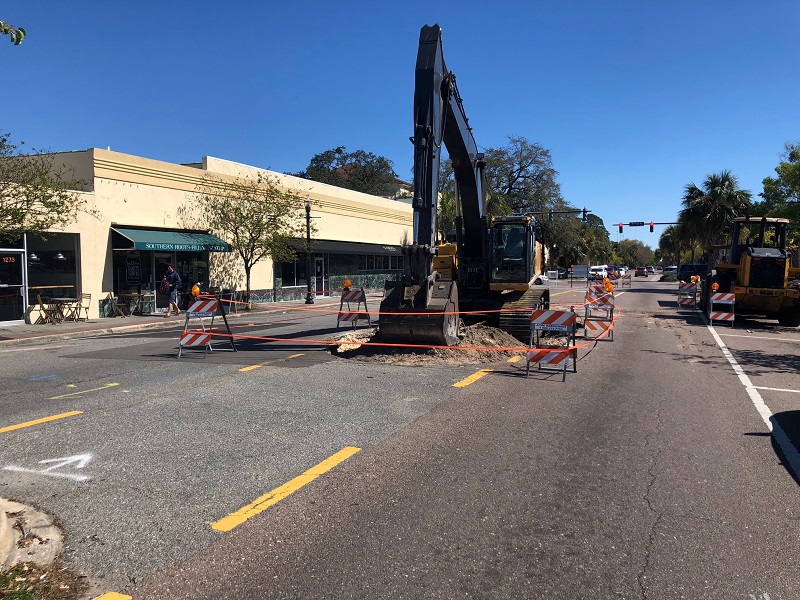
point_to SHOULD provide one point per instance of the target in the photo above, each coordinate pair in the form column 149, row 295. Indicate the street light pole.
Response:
column 309, row 255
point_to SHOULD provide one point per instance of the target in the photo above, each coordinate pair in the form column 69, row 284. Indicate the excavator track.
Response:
column 518, row 322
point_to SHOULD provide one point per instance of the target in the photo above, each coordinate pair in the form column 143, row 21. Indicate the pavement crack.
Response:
column 647, row 497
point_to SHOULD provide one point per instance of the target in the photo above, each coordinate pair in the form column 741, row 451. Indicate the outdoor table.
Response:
column 65, row 309
column 131, row 302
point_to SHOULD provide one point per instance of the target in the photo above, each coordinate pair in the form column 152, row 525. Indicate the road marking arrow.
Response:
column 79, row 461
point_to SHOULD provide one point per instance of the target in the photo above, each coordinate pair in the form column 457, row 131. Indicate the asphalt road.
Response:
column 649, row 473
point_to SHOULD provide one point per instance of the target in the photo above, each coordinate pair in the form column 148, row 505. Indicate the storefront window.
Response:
column 379, row 262
column 193, row 268
column 294, row 273
column 52, row 265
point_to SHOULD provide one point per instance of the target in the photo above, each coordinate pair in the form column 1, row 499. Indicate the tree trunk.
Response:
column 247, row 287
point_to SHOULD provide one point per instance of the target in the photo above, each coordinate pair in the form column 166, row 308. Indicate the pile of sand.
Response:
column 477, row 347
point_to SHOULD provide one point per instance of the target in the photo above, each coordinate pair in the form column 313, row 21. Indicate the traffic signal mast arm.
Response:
column 642, row 223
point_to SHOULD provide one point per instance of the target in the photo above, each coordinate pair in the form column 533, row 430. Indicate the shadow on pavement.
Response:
column 789, row 422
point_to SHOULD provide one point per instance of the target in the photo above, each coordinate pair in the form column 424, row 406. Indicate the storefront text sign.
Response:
column 181, row 247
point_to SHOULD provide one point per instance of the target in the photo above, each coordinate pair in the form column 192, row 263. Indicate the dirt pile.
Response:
column 477, row 347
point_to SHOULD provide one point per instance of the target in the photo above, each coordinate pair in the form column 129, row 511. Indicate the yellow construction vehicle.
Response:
column 495, row 263
column 756, row 268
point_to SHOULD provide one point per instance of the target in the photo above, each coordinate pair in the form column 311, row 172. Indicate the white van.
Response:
column 598, row 272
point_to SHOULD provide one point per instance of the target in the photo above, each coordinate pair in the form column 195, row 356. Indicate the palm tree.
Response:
column 669, row 245
column 707, row 211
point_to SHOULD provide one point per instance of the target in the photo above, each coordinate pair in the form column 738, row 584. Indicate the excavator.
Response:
column 494, row 262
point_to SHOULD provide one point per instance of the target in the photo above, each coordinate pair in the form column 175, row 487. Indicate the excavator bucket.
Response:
column 436, row 324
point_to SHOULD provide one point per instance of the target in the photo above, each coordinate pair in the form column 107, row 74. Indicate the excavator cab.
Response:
column 511, row 253
column 759, row 249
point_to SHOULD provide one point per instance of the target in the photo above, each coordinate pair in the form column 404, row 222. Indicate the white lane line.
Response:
column 789, row 451
column 759, row 337
column 761, row 387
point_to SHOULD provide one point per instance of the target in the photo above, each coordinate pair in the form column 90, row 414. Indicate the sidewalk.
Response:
column 23, row 333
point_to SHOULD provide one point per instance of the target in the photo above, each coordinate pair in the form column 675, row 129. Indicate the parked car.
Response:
column 650, row 270
column 671, row 270
column 563, row 273
column 641, row 272
column 541, row 280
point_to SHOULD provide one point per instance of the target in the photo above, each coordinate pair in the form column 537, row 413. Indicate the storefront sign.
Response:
column 182, row 247
column 133, row 268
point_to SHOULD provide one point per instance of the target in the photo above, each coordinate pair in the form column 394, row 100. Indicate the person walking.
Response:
column 174, row 280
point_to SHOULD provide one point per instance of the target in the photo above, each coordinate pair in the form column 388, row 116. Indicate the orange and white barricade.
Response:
column 599, row 307
column 687, row 294
column 348, row 314
column 552, row 357
column 203, row 308
column 726, row 299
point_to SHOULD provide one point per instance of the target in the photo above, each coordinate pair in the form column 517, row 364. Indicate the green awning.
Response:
column 165, row 240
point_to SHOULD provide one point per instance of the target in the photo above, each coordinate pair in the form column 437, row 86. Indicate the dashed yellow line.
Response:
column 42, row 420
column 114, row 596
column 269, row 362
column 472, row 378
column 279, row 493
column 106, row 386
column 514, row 359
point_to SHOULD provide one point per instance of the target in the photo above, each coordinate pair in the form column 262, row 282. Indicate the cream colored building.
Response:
column 125, row 250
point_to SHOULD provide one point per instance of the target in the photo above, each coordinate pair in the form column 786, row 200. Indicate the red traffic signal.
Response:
column 620, row 227
column 651, row 226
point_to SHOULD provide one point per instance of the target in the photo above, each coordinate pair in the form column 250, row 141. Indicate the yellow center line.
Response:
column 472, row 378
column 514, row 359
column 42, row 420
column 279, row 493
column 269, row 362
column 114, row 596
column 105, row 387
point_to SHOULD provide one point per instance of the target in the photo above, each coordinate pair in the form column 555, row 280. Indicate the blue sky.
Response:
column 635, row 99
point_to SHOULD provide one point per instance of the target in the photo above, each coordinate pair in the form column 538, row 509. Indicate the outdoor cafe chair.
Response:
column 83, row 305
column 47, row 314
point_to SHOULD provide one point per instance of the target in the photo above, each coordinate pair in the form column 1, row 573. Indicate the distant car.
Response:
column 563, row 273
column 641, row 272
column 671, row 270
column 541, row 280
column 650, row 270
column 598, row 272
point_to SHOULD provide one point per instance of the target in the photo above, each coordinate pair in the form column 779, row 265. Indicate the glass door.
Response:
column 161, row 261
column 11, row 285
column 319, row 274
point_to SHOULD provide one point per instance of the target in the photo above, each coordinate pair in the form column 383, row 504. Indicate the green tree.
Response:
column 629, row 253
column 522, row 177
column 707, row 212
column 36, row 193
column 257, row 216
column 360, row 171
column 786, row 186
column 15, row 34
column 670, row 245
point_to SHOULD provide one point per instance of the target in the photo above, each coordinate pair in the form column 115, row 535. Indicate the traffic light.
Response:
column 620, row 227
column 651, row 226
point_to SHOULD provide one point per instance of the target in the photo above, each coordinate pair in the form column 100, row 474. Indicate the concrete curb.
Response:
column 43, row 543
column 164, row 324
